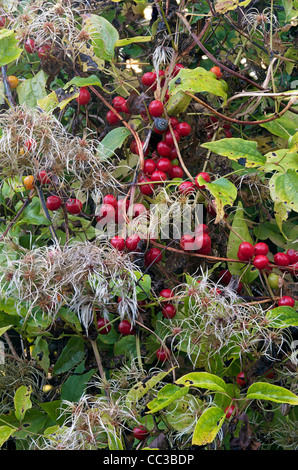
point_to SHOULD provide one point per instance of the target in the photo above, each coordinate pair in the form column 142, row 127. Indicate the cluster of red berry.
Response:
column 200, row 242
column 258, row 253
column 42, row 51
column 168, row 309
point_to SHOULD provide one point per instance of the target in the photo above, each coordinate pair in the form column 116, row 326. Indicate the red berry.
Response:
column 173, row 154
column 43, row 177
column 30, row 46
column 144, row 151
column 84, row 97
column 140, row 433
column 229, row 410
column 125, row 328
column 2, row 21
column 133, row 146
column 118, row 102
column 53, row 203
column 186, row 188
column 203, row 243
column 246, row 250
column 205, row 177
column 153, row 256
column 261, row 262
column 211, row 210
column 225, row 277
column 137, row 209
column 168, row 311
column 176, row 172
column 106, row 214
column 168, row 138
column 166, row 293
column 177, row 69
column 174, row 122
column 163, row 149
column 112, row 118
column 286, row 301
column 124, row 108
column 281, row 259
column 104, row 326
column 44, row 51
column 261, row 249
column 110, row 199
column 148, row 78
column 293, row 255
column 240, row 379
column 74, row 206
column 216, row 70
column 118, row 243
column 30, row 144
column 228, row 134
column 132, row 242
column 146, row 189
column 187, row 242
column 149, row 166
column 158, row 175
column 183, row 128
column 162, row 354
column 164, row 164
column 156, row 108
column 201, row 228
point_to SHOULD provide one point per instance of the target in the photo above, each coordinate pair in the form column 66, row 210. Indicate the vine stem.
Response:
column 236, row 121
column 99, row 363
column 214, row 60
column 7, row 86
column 18, row 214
column 134, row 133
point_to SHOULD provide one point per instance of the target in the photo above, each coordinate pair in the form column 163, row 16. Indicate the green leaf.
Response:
column 178, row 103
column 166, row 396
column 284, row 127
column 208, row 426
column 202, row 380
column 235, row 148
column 143, row 286
column 32, row 90
column 282, row 317
column 22, row 401
column 141, row 388
column 270, row 392
column 74, row 387
column 283, row 188
column 196, row 80
column 80, row 82
column 9, row 51
column 280, row 160
column 125, row 346
column 41, row 353
column 223, row 6
column 32, row 214
column 113, row 140
column 240, row 227
column 5, row 328
column 126, row 41
column 71, row 356
column 224, row 193
column 57, row 99
column 103, row 35
column 5, row 433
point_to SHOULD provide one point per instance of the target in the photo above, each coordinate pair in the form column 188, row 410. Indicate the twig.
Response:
column 7, row 86
column 214, row 60
column 236, row 121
